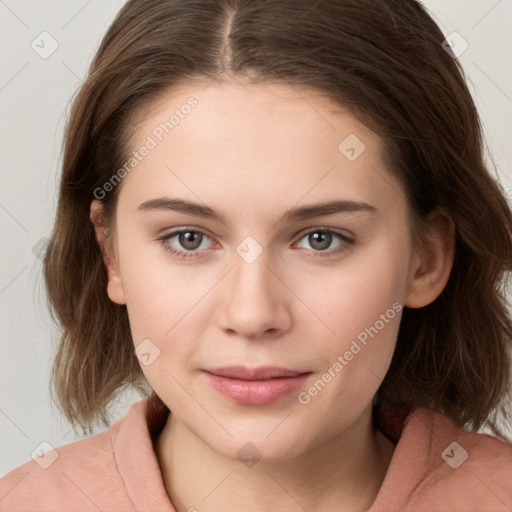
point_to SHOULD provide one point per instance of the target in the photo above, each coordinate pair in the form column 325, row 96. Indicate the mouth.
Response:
column 255, row 386
column 260, row 373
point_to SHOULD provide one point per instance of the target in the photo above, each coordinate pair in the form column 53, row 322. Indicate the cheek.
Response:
column 146, row 285
column 360, row 308
column 159, row 310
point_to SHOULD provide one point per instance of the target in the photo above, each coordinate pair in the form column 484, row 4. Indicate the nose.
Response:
column 255, row 304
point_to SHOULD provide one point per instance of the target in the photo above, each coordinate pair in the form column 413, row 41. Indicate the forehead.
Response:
column 266, row 140
column 264, row 110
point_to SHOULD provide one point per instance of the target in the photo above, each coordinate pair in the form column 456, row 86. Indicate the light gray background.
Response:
column 34, row 98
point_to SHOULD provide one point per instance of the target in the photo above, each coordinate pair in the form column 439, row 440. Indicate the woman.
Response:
column 275, row 220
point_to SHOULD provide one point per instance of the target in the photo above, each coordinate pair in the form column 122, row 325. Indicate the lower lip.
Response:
column 256, row 392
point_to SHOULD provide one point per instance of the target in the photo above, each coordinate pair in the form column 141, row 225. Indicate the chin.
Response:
column 257, row 446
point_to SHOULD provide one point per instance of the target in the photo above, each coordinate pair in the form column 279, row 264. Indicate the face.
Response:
column 272, row 282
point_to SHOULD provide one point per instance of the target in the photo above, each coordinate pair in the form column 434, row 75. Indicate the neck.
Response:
column 348, row 468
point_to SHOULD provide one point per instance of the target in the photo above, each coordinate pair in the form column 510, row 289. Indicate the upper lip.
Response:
column 260, row 373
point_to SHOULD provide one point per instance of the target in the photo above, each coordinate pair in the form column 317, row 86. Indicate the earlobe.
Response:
column 115, row 288
column 432, row 264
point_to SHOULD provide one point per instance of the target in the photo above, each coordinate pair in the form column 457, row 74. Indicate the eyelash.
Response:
column 316, row 254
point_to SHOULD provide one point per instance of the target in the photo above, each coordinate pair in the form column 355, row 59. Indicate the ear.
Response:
column 433, row 261
column 115, row 288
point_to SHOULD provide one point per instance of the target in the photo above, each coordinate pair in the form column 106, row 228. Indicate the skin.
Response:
column 252, row 152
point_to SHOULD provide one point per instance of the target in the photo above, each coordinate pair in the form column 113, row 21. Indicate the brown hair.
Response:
column 381, row 59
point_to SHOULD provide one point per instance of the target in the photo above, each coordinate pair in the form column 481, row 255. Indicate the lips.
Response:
column 255, row 386
column 261, row 373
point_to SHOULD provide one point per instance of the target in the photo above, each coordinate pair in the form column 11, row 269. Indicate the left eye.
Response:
column 191, row 240
column 321, row 239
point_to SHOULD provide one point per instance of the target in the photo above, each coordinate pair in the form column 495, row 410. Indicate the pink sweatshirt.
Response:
column 436, row 466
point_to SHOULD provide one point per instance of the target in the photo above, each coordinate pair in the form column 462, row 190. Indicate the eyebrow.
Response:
column 292, row 215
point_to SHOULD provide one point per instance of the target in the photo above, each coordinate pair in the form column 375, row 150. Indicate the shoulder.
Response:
column 465, row 470
column 78, row 476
